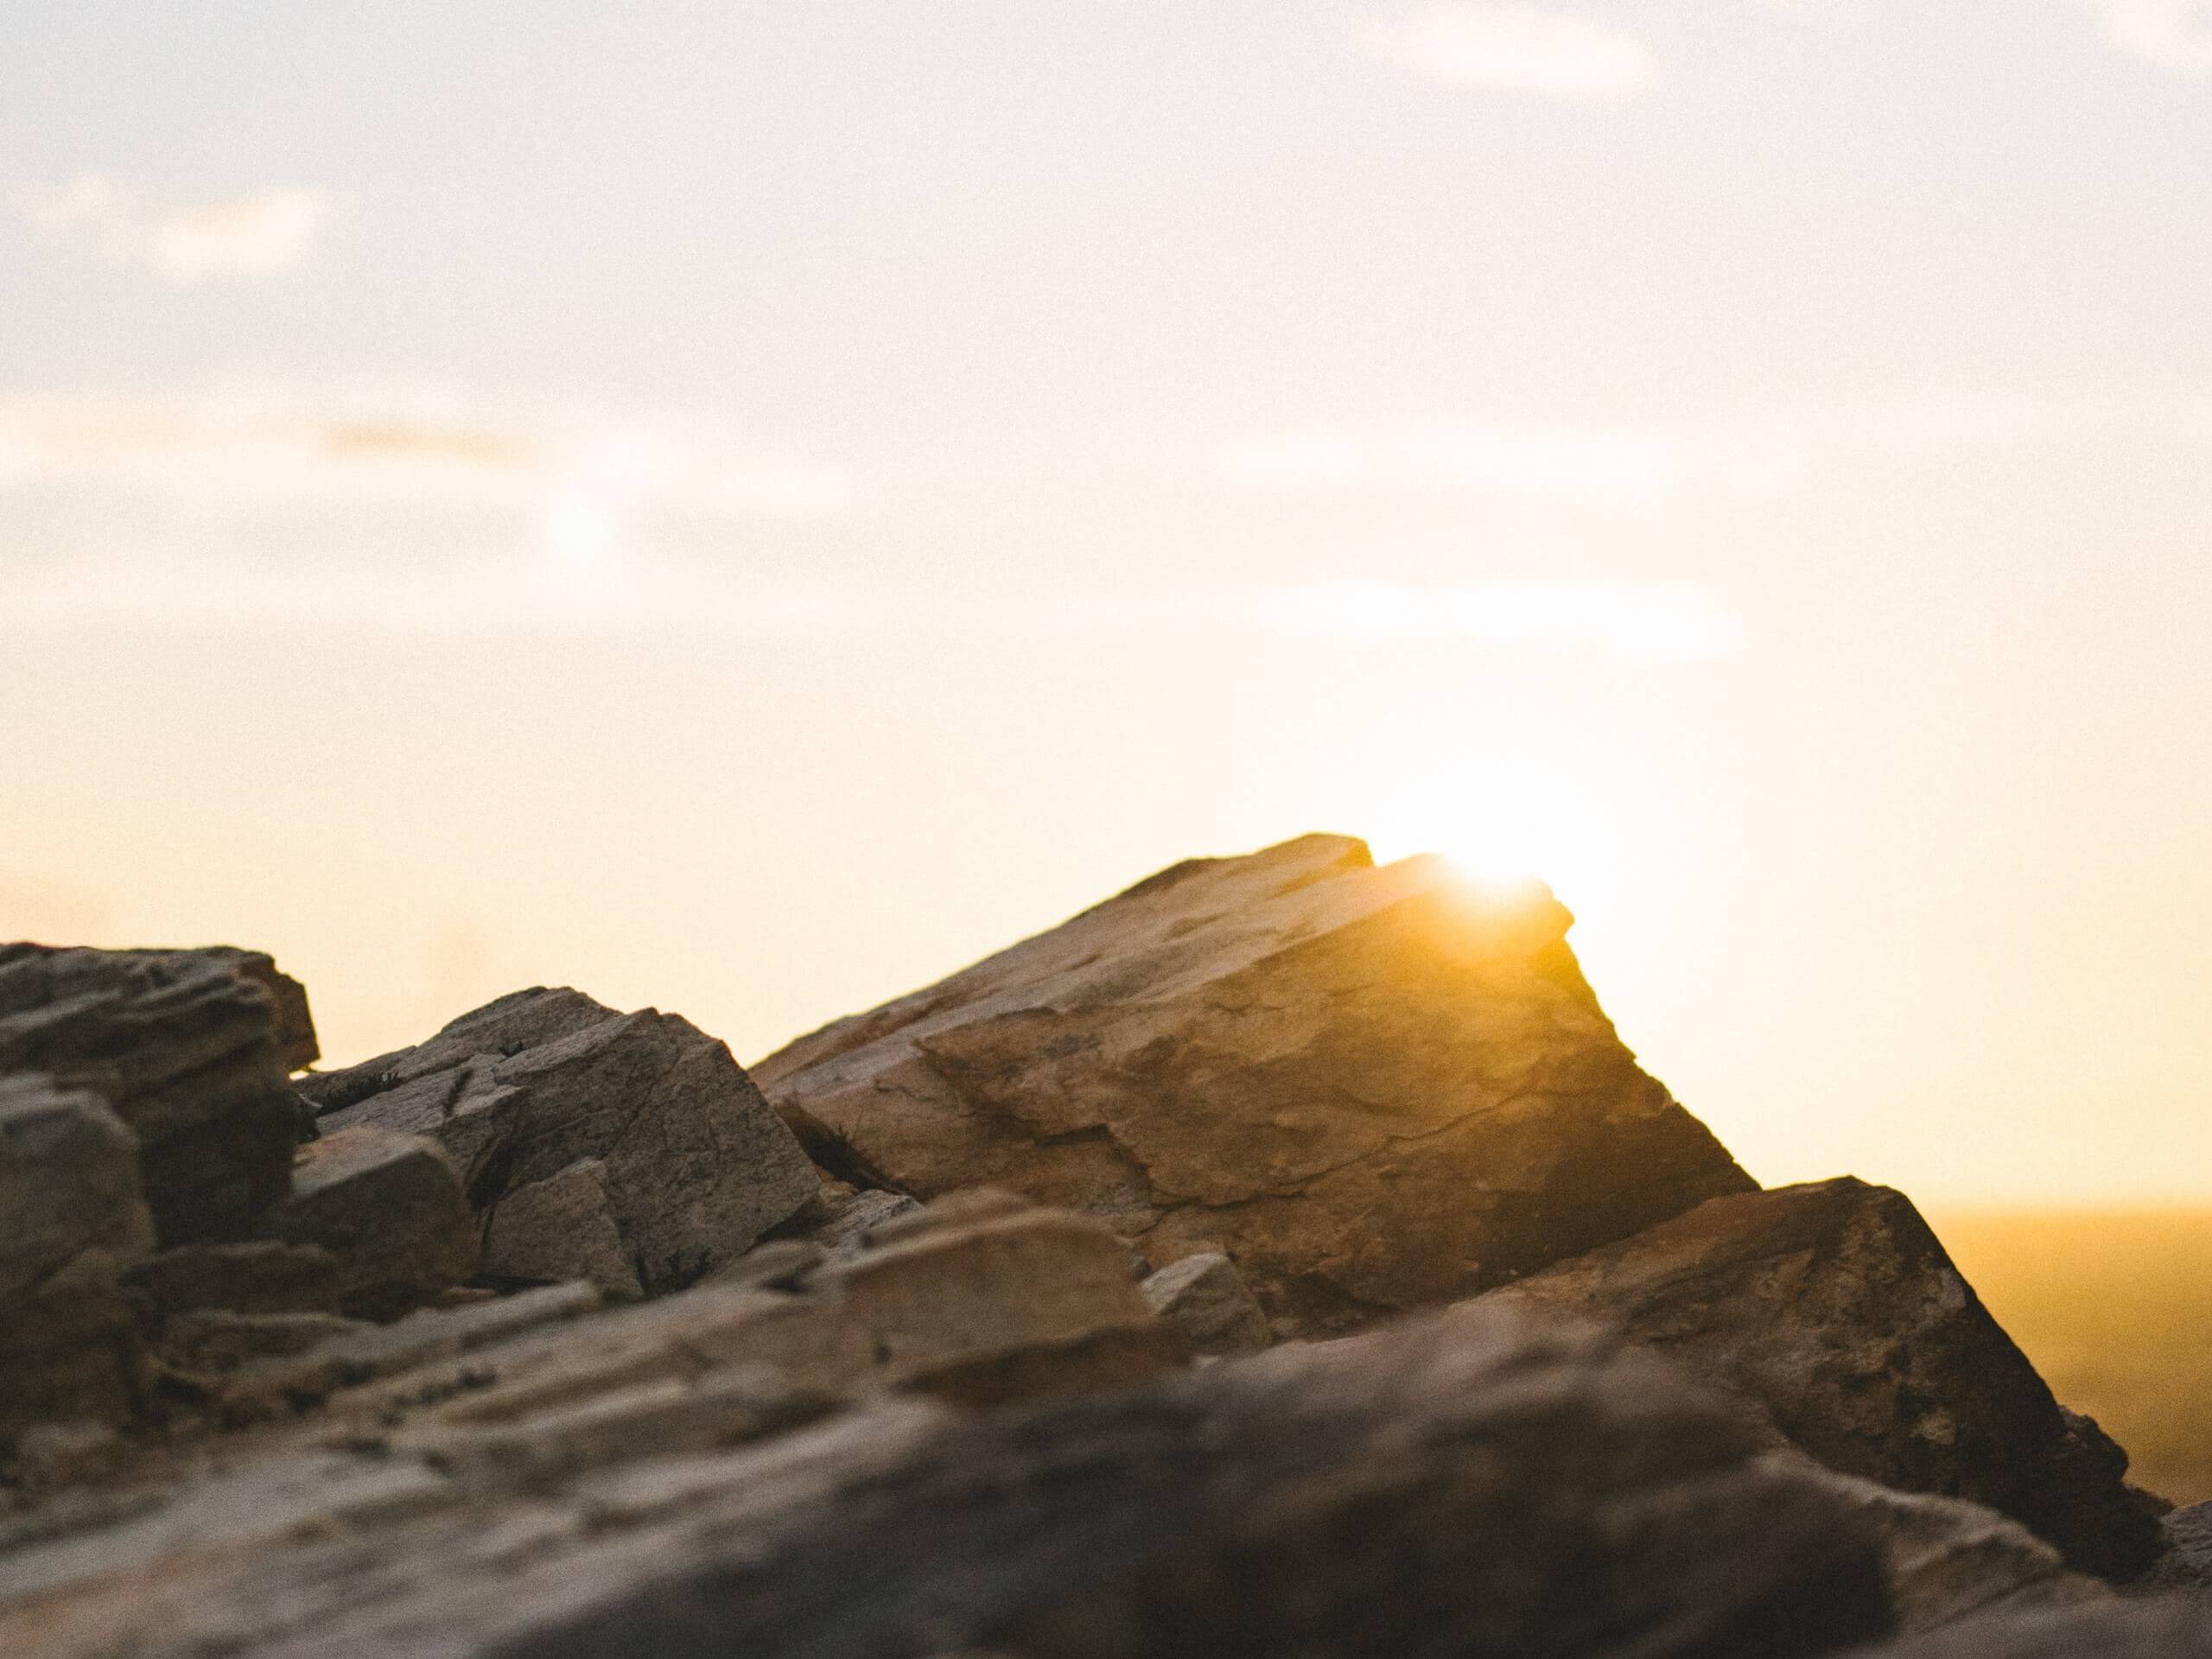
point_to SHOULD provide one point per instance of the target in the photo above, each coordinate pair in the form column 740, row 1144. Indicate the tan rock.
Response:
column 389, row 1208
column 561, row 1228
column 1205, row 1298
column 1373, row 1088
column 1834, row 1314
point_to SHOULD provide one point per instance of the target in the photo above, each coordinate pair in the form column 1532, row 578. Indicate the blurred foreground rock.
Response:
column 1376, row 1089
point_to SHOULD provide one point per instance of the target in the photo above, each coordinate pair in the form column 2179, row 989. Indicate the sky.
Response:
column 748, row 508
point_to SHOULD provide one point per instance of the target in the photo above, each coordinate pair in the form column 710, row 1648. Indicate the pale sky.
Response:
column 747, row 508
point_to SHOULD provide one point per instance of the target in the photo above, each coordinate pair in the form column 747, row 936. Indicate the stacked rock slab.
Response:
column 1374, row 1087
column 1833, row 1312
column 71, row 1218
column 652, row 1154
column 191, row 1049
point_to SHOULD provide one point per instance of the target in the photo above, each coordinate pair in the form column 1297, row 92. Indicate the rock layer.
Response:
column 191, row 1049
column 1375, row 1087
column 692, row 1164
column 1835, row 1312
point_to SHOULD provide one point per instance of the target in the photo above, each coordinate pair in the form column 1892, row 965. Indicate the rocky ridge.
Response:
column 980, row 1323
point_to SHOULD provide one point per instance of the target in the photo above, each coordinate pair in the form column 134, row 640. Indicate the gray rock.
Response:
column 1204, row 1298
column 390, row 1209
column 190, row 1049
column 216, row 1339
column 1833, row 1312
column 561, row 1228
column 72, row 1215
column 2186, row 1561
column 694, row 1167
column 1375, row 1088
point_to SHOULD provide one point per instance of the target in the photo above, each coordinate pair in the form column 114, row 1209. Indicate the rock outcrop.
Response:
column 688, row 1166
column 1833, row 1311
column 1374, row 1087
column 71, row 1217
column 389, row 1209
column 2165, row 1629
column 191, row 1049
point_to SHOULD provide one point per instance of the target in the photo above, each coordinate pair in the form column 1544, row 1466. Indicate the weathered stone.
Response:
column 779, row 1264
column 1469, row 1485
column 190, row 1049
column 1947, row 1559
column 561, row 1228
column 389, row 1208
column 695, row 1167
column 215, row 1339
column 1375, row 1088
column 1832, row 1313
column 1205, row 1298
column 72, row 1215
column 264, row 1276
column 2185, row 1563
column 957, row 1299
column 2175, row 1629
column 422, row 1339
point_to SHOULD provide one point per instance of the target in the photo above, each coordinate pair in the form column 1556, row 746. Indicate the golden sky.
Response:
column 749, row 509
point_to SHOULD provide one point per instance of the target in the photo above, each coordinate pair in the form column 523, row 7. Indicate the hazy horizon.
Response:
column 749, row 510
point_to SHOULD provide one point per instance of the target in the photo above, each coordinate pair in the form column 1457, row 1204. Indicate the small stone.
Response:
column 389, row 1208
column 264, row 1276
column 1204, row 1298
column 561, row 1228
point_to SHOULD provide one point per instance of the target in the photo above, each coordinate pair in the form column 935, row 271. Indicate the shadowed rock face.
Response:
column 189, row 1048
column 552, row 1098
column 1835, row 1309
column 2159, row 1630
column 1374, row 1088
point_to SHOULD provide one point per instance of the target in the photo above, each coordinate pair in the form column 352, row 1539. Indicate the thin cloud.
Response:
column 2174, row 36
column 243, row 448
column 1605, row 471
column 250, row 237
column 1512, row 47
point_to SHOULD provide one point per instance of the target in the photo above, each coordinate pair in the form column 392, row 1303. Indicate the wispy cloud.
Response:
column 250, row 237
column 2175, row 35
column 579, row 473
column 1513, row 48
column 1605, row 472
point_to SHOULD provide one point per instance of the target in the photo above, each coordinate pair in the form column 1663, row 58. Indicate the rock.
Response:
column 779, row 1264
column 985, row 1303
column 1834, row 1314
column 1374, row 1088
column 260, row 1276
column 215, row 1339
column 1469, row 1487
column 1471, row 1484
column 1947, row 1559
column 2185, row 1563
column 2172, row 1629
column 693, row 1165
column 1204, row 1298
column 561, row 1228
column 72, row 1215
column 190, row 1049
column 390, row 1209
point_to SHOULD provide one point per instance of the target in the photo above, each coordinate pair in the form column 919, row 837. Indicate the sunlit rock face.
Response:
column 1834, row 1314
column 1375, row 1087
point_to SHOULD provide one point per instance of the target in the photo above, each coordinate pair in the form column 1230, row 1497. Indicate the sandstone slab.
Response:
column 561, row 1228
column 1374, row 1088
column 1835, row 1314
column 693, row 1165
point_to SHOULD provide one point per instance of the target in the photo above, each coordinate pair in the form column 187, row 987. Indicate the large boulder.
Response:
column 191, row 1049
column 1374, row 1087
column 71, row 1217
column 1834, row 1314
column 689, row 1165
column 389, row 1208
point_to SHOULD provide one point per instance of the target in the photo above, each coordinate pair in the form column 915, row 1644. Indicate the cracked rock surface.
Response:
column 1374, row 1087
column 640, row 1124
